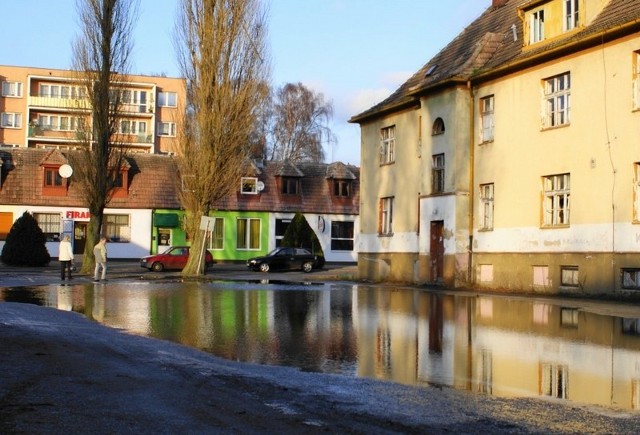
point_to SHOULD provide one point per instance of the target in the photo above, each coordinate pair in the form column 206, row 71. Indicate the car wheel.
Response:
column 264, row 267
column 157, row 267
column 307, row 266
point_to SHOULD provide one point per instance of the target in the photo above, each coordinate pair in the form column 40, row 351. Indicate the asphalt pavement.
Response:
column 117, row 270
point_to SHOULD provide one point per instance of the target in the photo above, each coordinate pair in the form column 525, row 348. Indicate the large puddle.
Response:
column 581, row 351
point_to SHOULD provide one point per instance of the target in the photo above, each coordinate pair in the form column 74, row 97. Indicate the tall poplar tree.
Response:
column 222, row 56
column 101, row 61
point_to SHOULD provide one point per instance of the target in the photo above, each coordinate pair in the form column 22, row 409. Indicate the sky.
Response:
column 354, row 52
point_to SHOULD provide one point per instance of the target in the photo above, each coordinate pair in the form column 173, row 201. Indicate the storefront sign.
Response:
column 78, row 215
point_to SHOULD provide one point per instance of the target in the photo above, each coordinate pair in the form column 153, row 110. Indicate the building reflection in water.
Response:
column 497, row 345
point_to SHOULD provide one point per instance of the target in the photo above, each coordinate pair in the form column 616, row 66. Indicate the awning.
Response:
column 169, row 220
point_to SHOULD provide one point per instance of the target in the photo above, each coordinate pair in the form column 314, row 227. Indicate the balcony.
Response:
column 83, row 104
column 58, row 102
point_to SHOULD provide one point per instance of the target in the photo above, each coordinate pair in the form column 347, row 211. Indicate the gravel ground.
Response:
column 61, row 373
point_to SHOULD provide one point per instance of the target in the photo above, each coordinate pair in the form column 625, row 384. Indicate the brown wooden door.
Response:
column 436, row 250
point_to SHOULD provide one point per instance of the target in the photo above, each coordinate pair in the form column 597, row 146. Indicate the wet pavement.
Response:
column 11, row 276
column 62, row 373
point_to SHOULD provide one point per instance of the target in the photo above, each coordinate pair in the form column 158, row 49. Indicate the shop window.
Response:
column 117, row 228
column 248, row 234
column 216, row 240
column 341, row 236
column 49, row 223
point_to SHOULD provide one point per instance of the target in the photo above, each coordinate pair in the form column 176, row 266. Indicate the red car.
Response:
column 175, row 258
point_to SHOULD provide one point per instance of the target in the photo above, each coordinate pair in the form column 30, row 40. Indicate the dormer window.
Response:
column 53, row 183
column 536, row 26
column 342, row 188
column 120, row 184
column 571, row 14
column 249, row 186
column 290, row 186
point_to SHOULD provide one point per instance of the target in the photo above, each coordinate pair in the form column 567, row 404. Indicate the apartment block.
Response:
column 47, row 108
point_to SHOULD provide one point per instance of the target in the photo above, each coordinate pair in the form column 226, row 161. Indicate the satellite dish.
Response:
column 260, row 186
column 65, row 171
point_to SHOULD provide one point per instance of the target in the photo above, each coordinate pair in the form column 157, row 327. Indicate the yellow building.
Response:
column 511, row 160
column 45, row 108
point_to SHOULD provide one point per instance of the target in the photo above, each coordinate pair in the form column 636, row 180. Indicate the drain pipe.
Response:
column 472, row 195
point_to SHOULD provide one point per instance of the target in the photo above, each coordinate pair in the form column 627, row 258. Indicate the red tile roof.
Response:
column 154, row 183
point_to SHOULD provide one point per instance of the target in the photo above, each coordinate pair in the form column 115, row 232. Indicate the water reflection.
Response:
column 495, row 345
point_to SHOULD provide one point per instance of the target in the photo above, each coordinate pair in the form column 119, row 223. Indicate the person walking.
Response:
column 100, row 255
column 65, row 256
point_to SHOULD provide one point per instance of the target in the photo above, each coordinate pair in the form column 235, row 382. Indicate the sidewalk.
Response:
column 11, row 276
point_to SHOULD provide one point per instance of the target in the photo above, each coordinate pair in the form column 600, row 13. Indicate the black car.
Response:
column 286, row 259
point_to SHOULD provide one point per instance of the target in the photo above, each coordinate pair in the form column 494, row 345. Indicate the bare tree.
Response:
column 101, row 56
column 300, row 121
column 222, row 56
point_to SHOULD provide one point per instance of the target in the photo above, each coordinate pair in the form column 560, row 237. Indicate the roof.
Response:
column 22, row 180
column 316, row 189
column 487, row 47
column 153, row 183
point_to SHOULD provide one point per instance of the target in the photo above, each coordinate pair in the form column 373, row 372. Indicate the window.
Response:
column 281, row 228
column 485, row 272
column 385, row 224
column 167, row 99
column 52, row 177
column 557, row 100
column 217, row 234
column 536, row 26
column 486, row 206
column 636, row 80
column 342, row 188
column 571, row 14
column 541, row 276
column 133, row 127
column 11, row 89
column 557, row 193
column 117, row 228
column 437, row 174
column 438, row 127
column 166, row 128
column 630, row 326
column 6, row 222
column 289, row 186
column 554, row 380
column 387, row 144
column 636, row 193
column 631, row 279
column 249, row 185
column 486, row 120
column 49, row 223
column 341, row 236
column 248, row 236
column 58, row 123
column 11, row 120
column 569, row 276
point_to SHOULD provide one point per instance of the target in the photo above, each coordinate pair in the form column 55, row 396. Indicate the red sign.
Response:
column 78, row 215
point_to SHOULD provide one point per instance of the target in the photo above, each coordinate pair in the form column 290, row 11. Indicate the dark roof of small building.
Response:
column 316, row 190
column 487, row 46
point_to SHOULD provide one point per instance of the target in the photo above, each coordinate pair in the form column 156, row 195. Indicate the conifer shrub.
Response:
column 25, row 244
column 300, row 235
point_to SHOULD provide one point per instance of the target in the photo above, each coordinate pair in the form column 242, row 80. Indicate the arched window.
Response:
column 438, row 127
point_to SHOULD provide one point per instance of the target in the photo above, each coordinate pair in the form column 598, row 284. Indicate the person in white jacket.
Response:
column 65, row 256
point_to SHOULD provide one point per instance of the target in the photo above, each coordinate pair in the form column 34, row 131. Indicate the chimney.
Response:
column 498, row 3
